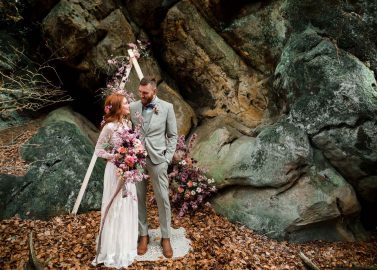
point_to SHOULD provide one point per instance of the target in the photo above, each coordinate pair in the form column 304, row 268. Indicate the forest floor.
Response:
column 69, row 241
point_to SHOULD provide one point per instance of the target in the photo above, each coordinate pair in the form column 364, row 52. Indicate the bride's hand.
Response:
column 116, row 156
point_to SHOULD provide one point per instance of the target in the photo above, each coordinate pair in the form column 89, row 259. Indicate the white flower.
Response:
column 183, row 162
column 194, row 184
column 193, row 192
column 198, row 190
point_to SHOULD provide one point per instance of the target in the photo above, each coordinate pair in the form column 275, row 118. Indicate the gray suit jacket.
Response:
column 160, row 137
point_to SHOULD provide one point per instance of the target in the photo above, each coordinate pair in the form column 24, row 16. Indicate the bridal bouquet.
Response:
column 129, row 156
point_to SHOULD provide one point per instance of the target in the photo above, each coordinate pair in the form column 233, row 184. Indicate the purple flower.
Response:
column 192, row 187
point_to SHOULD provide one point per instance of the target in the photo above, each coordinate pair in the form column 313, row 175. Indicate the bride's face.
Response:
column 125, row 107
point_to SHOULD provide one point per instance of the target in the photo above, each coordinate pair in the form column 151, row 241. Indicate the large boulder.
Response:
column 320, row 205
column 66, row 114
column 185, row 115
column 213, row 77
column 148, row 14
column 352, row 25
column 332, row 95
column 59, row 154
column 277, row 157
column 87, row 34
column 256, row 30
column 9, row 186
column 277, row 184
column 352, row 150
column 323, row 85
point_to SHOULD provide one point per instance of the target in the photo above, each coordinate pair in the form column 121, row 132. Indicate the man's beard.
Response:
column 147, row 101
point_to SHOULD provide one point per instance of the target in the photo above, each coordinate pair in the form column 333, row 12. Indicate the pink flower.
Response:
column 108, row 108
column 130, row 160
column 122, row 150
column 181, row 189
column 123, row 166
column 189, row 184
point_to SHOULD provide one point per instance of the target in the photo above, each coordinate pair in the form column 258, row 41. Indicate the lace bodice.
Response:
column 108, row 137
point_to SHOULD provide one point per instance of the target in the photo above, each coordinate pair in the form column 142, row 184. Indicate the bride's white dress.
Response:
column 120, row 231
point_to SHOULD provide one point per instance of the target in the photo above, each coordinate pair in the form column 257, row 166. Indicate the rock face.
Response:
column 256, row 31
column 216, row 79
column 60, row 153
column 277, row 184
column 85, row 35
column 9, row 186
column 334, row 101
column 329, row 98
column 277, row 157
column 351, row 25
column 316, row 207
column 148, row 13
column 66, row 114
column 185, row 116
column 334, row 87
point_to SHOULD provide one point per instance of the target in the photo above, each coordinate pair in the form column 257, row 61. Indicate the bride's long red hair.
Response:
column 113, row 109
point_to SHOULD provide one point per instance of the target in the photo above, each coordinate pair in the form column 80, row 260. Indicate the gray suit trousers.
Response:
column 159, row 177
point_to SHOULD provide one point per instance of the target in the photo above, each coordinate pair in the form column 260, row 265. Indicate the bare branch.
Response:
column 308, row 263
column 27, row 88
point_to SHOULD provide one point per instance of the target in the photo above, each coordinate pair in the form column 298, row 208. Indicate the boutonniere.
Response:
column 155, row 109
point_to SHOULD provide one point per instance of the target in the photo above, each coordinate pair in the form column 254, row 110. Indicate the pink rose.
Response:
column 129, row 160
column 189, row 184
column 181, row 189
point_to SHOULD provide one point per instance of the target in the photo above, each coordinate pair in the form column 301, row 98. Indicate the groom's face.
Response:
column 146, row 92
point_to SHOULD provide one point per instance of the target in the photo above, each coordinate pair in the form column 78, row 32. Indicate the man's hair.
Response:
column 148, row 80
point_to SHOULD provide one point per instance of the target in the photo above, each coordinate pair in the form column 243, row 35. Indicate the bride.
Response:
column 117, row 242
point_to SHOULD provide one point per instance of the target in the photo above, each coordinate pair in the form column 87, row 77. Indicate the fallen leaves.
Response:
column 10, row 141
column 216, row 243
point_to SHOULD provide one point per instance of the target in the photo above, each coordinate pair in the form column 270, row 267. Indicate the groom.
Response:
column 159, row 130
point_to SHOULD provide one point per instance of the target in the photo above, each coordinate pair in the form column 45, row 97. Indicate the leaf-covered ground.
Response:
column 10, row 141
column 216, row 243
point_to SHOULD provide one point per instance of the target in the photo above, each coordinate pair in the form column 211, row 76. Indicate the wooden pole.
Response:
column 84, row 184
column 135, row 64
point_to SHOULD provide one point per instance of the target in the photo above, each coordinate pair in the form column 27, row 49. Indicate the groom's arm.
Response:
column 171, row 134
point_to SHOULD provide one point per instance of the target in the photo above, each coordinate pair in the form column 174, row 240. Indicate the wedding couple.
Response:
column 125, row 229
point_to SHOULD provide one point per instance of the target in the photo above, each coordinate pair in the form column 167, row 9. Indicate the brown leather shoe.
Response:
column 142, row 246
column 167, row 250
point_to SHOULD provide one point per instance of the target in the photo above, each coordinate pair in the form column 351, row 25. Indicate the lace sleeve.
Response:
column 103, row 141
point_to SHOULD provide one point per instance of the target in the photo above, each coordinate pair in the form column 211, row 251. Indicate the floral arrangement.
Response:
column 190, row 186
column 121, row 67
column 128, row 156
